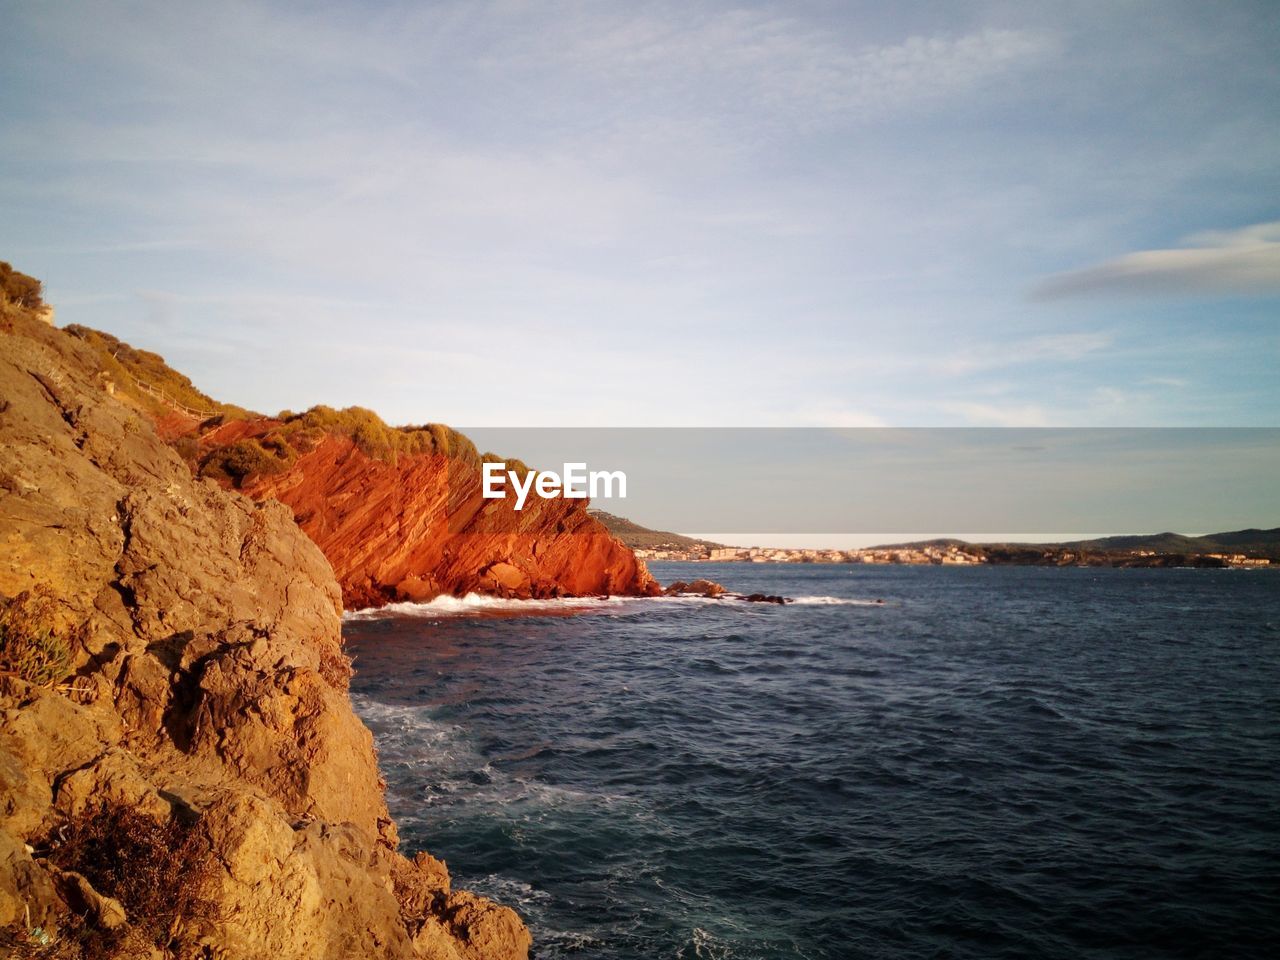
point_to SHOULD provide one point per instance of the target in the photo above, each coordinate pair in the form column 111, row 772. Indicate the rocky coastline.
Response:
column 181, row 771
column 417, row 527
column 397, row 511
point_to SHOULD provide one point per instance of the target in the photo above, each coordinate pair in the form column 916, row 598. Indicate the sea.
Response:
column 905, row 762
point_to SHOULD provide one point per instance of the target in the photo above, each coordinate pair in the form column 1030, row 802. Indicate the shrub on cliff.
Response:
column 160, row 871
column 372, row 435
column 19, row 289
column 512, row 464
column 188, row 448
column 30, row 647
column 246, row 458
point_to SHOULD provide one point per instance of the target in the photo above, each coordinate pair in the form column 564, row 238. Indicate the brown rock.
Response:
column 699, row 588
column 27, row 893
column 417, row 589
column 508, row 580
column 204, row 679
column 77, row 892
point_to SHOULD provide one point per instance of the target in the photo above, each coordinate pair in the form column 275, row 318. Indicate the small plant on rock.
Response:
column 30, row 647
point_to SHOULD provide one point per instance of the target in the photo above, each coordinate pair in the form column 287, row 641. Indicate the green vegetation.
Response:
column 30, row 647
column 147, row 379
column 19, row 290
column 513, row 465
column 245, row 458
column 20, row 296
column 374, row 437
column 299, row 433
column 160, row 871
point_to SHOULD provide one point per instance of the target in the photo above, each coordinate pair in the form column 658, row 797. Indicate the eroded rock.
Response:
column 202, row 678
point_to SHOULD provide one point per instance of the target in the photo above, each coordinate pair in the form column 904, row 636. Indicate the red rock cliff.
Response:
column 418, row 528
column 397, row 512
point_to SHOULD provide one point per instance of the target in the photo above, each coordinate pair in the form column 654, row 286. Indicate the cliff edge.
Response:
column 181, row 772
column 412, row 524
column 397, row 511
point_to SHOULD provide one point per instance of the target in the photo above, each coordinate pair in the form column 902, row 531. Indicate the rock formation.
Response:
column 398, row 512
column 181, row 772
column 416, row 526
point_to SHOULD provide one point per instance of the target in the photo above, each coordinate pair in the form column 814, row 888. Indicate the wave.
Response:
column 475, row 604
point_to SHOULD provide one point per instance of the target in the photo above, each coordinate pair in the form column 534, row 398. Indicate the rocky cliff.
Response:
column 397, row 511
column 181, row 772
column 413, row 525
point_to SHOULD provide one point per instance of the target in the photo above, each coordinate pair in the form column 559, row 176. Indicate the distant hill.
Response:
column 638, row 537
column 1253, row 542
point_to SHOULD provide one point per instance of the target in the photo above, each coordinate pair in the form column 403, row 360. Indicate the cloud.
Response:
column 771, row 64
column 1244, row 261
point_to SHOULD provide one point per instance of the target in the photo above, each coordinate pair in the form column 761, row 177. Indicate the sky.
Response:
column 649, row 214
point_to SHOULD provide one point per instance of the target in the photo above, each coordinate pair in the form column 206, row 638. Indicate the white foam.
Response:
column 710, row 946
column 475, row 603
column 835, row 602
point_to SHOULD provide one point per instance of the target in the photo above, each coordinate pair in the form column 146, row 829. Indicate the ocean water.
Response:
column 1003, row 762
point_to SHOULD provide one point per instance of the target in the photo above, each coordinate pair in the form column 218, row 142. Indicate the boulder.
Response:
column 698, row 588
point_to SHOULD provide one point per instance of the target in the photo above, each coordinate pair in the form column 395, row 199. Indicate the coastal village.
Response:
column 903, row 555
column 950, row 554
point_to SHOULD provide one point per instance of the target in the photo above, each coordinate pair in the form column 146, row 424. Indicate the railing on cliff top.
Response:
column 164, row 398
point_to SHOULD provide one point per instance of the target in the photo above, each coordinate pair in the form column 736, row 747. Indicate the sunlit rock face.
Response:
column 197, row 678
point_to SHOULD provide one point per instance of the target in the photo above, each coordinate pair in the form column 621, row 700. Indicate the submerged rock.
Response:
column 761, row 598
column 698, row 588
column 715, row 591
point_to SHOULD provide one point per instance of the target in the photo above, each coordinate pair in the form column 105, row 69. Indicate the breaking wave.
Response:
column 475, row 604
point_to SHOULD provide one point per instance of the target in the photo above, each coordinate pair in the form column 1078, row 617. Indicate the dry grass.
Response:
column 160, row 871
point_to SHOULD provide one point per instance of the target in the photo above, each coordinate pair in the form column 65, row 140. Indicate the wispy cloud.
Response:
column 1244, row 261
column 755, row 60
column 803, row 213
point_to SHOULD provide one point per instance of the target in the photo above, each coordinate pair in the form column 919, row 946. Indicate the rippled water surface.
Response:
column 1005, row 762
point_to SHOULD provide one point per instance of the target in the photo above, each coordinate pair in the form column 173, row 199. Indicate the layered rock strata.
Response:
column 416, row 526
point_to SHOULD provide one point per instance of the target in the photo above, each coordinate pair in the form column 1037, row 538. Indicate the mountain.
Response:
column 181, row 770
column 397, row 511
column 642, row 538
column 1253, row 542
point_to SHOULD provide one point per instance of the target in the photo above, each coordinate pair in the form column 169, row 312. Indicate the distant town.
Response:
column 957, row 555
column 931, row 555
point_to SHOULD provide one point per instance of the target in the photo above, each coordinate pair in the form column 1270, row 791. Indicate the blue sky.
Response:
column 619, row 214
